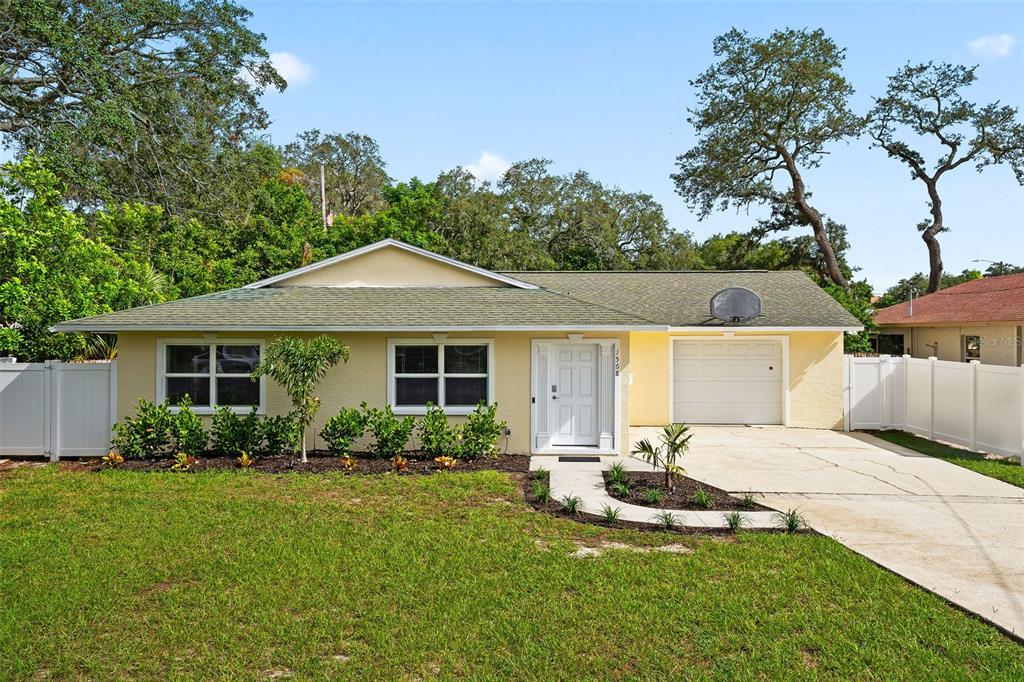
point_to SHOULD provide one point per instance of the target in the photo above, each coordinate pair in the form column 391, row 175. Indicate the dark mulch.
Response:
column 681, row 497
column 320, row 461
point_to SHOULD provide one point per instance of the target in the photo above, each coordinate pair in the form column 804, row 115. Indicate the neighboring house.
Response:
column 976, row 320
column 573, row 359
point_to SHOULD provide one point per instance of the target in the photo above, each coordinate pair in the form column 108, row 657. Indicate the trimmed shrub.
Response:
column 342, row 430
column 480, row 433
column 233, row 434
column 147, row 435
column 390, row 434
column 187, row 429
column 436, row 437
column 279, row 434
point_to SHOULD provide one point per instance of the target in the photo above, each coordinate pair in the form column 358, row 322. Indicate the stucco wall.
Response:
column 390, row 267
column 365, row 376
column 815, row 378
column 998, row 341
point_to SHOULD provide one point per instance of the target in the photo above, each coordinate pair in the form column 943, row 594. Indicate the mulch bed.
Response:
column 681, row 497
column 320, row 461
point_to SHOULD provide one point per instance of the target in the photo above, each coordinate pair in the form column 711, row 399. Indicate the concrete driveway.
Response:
column 948, row 529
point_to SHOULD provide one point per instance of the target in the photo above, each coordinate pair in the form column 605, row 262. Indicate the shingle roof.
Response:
column 682, row 299
column 637, row 300
column 992, row 299
column 296, row 308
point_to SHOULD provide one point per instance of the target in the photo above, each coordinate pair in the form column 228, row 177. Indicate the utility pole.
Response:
column 323, row 199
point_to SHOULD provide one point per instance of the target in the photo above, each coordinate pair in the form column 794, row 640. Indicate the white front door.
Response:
column 573, row 394
column 727, row 381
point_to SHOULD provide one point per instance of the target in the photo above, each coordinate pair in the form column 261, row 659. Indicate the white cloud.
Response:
column 489, row 167
column 291, row 68
column 994, row 46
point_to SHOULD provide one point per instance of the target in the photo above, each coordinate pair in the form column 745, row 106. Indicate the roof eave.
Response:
column 117, row 328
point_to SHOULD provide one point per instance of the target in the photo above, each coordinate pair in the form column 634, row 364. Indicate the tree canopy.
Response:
column 769, row 107
column 132, row 99
column 924, row 102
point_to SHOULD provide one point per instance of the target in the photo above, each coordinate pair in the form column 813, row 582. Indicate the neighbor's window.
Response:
column 454, row 375
column 972, row 348
column 210, row 374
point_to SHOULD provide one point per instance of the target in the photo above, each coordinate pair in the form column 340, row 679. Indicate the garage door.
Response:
column 727, row 381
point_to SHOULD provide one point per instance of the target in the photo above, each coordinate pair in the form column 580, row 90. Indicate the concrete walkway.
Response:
column 945, row 528
column 585, row 480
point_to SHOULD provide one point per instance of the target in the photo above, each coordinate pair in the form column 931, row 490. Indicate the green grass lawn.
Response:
column 241, row 575
column 1008, row 470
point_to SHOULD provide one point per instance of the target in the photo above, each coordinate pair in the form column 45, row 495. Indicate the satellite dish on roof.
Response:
column 735, row 304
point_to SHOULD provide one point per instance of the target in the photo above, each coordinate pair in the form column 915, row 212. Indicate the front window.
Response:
column 453, row 375
column 210, row 374
column 972, row 348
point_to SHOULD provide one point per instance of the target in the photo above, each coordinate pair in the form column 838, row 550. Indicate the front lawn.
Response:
column 1004, row 469
column 124, row 574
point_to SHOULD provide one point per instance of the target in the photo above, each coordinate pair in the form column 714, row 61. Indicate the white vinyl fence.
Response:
column 57, row 409
column 980, row 407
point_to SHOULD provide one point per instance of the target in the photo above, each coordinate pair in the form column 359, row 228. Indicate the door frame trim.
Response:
column 613, row 347
column 728, row 336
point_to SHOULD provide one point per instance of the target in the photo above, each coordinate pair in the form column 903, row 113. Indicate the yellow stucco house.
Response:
column 573, row 359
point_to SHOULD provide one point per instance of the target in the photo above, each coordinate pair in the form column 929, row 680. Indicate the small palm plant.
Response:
column 674, row 442
column 298, row 366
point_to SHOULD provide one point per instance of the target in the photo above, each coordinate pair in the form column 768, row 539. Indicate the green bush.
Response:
column 234, row 434
column 343, row 429
column 437, row 438
column 479, row 435
column 187, row 429
column 147, row 435
column 279, row 434
column 390, row 434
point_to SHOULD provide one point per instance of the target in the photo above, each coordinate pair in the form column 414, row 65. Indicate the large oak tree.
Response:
column 924, row 102
column 131, row 99
column 767, row 111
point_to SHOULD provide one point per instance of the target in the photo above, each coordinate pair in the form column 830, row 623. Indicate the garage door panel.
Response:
column 727, row 381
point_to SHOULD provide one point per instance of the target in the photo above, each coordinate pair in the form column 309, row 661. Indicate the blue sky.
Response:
column 604, row 87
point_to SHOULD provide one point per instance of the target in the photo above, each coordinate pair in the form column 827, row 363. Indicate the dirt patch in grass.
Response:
column 683, row 496
column 321, row 461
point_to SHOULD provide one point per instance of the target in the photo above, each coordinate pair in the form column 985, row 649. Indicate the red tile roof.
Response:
column 992, row 299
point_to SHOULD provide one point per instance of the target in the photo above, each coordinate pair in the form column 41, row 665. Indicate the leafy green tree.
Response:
column 51, row 271
column 1001, row 268
column 354, row 175
column 768, row 107
column 298, row 367
column 918, row 283
column 131, row 99
column 925, row 100
column 674, row 441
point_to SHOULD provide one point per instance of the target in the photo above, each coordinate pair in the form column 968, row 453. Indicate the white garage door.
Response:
column 727, row 381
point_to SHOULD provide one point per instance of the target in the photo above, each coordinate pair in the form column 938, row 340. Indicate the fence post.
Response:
column 53, row 381
column 974, row 404
column 906, row 391
column 847, row 391
column 931, row 397
column 884, row 370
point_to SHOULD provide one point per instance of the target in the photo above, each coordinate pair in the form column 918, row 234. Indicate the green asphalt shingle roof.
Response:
column 682, row 299
column 566, row 299
column 339, row 308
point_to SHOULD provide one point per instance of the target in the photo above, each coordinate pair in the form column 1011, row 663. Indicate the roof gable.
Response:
column 390, row 263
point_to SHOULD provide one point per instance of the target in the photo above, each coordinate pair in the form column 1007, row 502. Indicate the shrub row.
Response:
column 157, row 432
column 390, row 434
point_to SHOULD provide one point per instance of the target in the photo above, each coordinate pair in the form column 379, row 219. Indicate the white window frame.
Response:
column 963, row 347
column 162, row 375
column 440, row 375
